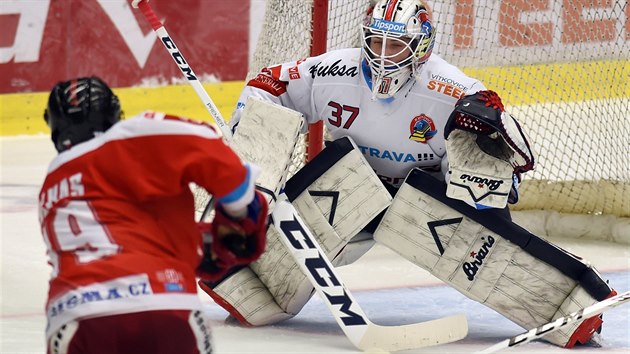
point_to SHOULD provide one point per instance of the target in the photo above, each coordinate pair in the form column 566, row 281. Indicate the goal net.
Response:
column 298, row 29
column 561, row 67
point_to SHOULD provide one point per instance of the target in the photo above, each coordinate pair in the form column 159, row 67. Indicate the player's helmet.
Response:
column 80, row 109
column 405, row 25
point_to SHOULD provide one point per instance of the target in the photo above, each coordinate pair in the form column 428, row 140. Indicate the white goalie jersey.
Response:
column 341, row 201
column 395, row 134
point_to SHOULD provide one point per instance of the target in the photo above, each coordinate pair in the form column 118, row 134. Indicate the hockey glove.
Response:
column 211, row 268
column 240, row 241
column 486, row 149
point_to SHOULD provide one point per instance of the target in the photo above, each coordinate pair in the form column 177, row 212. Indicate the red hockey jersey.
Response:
column 117, row 216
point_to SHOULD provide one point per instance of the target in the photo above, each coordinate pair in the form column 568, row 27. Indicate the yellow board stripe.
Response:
column 517, row 85
column 23, row 113
column 557, row 82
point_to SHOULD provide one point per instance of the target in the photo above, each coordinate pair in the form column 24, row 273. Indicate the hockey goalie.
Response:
column 423, row 159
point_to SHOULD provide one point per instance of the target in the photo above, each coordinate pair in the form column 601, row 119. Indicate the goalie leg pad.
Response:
column 246, row 298
column 337, row 195
column 483, row 264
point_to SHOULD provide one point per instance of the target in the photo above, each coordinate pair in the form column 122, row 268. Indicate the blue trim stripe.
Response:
column 482, row 207
column 367, row 73
column 240, row 191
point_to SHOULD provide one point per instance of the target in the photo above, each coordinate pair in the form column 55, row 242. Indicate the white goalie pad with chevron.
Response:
column 336, row 194
column 486, row 257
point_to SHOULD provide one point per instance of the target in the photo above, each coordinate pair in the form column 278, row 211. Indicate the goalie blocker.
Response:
column 488, row 258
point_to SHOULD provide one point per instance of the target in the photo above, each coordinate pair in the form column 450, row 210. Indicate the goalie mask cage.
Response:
column 561, row 67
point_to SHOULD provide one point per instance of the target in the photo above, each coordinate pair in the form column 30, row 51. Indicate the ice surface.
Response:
column 391, row 291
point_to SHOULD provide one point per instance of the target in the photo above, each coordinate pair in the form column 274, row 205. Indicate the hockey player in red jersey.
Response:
column 117, row 216
column 449, row 154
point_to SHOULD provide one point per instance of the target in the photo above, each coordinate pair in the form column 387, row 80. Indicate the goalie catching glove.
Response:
column 487, row 151
column 233, row 240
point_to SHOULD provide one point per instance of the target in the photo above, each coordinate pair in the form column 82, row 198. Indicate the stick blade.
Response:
column 412, row 336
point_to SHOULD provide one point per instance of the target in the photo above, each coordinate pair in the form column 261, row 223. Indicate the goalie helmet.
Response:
column 80, row 109
column 397, row 38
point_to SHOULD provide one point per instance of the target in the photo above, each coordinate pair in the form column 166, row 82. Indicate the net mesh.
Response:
column 287, row 34
column 561, row 67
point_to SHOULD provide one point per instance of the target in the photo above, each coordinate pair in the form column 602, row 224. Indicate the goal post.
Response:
column 562, row 69
column 319, row 34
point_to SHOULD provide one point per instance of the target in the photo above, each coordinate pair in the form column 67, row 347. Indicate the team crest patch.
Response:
column 422, row 129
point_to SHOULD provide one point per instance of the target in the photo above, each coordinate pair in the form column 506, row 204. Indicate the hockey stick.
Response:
column 188, row 73
column 186, row 70
column 361, row 332
column 364, row 334
column 558, row 323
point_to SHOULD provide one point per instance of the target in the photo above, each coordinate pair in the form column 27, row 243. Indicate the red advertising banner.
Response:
column 46, row 41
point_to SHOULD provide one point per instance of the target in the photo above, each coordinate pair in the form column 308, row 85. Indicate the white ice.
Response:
column 390, row 290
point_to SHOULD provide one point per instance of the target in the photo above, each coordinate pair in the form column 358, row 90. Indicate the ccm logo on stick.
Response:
column 317, row 266
column 179, row 58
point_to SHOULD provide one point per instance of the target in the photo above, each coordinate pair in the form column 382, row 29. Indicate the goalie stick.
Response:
column 305, row 250
column 558, row 323
column 364, row 334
